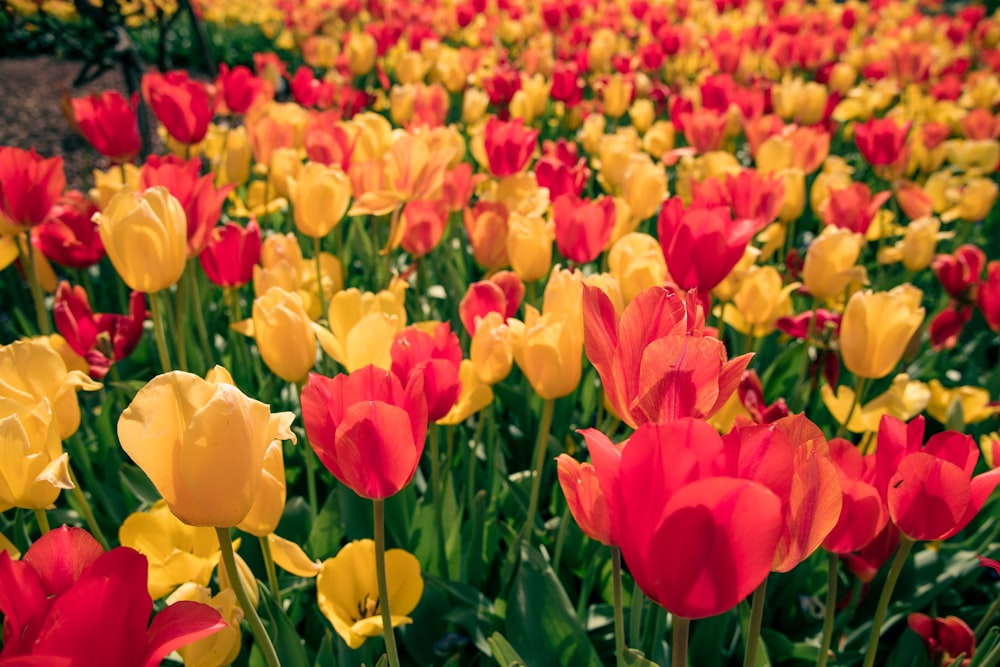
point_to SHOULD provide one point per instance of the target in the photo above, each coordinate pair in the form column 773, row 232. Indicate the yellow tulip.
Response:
column 644, row 187
column 904, row 400
column 761, row 299
column 284, row 333
column 491, row 351
column 975, row 201
column 536, row 89
column 347, row 590
column 794, row 203
column 475, row 102
column 476, row 394
column 361, row 50
column 549, row 351
column 108, row 183
column 876, row 328
column 973, row 401
column 726, row 290
column 320, row 196
column 642, row 113
column 145, row 235
column 32, row 372
column 831, row 263
column 591, row 133
column 636, row 262
column 290, row 557
column 265, row 513
column 222, row 647
column 177, row 553
column 411, row 68
column 202, row 445
column 616, row 95
column 33, row 467
column 615, row 152
column 363, row 326
column 919, row 243
column 659, row 139
column 283, row 167
column 233, row 164
column 529, row 246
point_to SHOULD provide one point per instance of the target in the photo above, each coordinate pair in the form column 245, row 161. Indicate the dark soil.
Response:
column 31, row 116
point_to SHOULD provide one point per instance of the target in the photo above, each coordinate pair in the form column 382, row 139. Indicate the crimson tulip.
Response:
column 182, row 104
column 656, row 364
column 945, row 638
column 367, row 428
column 988, row 295
column 482, row 297
column 108, row 121
column 438, row 357
column 30, row 185
column 929, row 488
column 863, row 515
column 67, row 600
column 583, row 228
column 238, row 88
column 231, row 253
column 750, row 195
column 853, row 207
column 959, row 273
column 101, row 338
column 69, row 235
column 881, row 141
column 585, row 497
column 509, row 146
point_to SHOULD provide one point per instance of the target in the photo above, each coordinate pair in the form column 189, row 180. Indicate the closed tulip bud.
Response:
column 591, row 133
column 411, row 68
column 284, row 167
column 644, row 187
column 642, row 113
column 831, row 263
column 615, row 152
column 401, row 99
column 637, row 263
column 529, row 246
column 475, row 102
column 34, row 467
column 877, row 327
column 487, row 228
column 108, row 121
column 320, row 196
column 361, row 51
column 920, row 243
column 183, row 430
column 283, row 332
column 659, row 139
column 549, row 351
column 536, row 91
column 761, row 299
column 793, row 204
column 145, row 235
column 842, row 78
column 602, row 46
column 233, row 164
column 492, row 352
column 617, row 95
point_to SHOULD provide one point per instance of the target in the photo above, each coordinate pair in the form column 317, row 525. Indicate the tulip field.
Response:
column 504, row 332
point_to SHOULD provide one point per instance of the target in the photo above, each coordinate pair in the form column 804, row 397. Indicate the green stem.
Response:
column 984, row 624
column 87, row 511
column 307, row 456
column 544, row 427
column 859, row 388
column 180, row 308
column 567, row 517
column 272, row 574
column 43, row 520
column 830, row 613
column 31, row 268
column 383, row 583
column 616, row 581
column 753, row 633
column 317, row 247
column 158, row 331
column 437, row 493
column 679, row 647
column 635, row 616
column 199, row 315
column 249, row 612
column 905, row 544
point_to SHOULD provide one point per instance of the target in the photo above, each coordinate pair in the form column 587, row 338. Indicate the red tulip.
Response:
column 502, row 85
column 749, row 195
column 959, row 273
column 328, row 142
column 567, row 84
column 101, row 338
column 869, row 559
column 69, row 235
column 929, row 488
column 201, row 200
column 561, row 174
column 751, row 393
column 437, row 357
column 881, row 141
column 585, row 498
column 482, row 297
column 509, row 146
column 231, row 253
column 109, row 123
column 459, row 183
column 701, row 245
column 656, row 363
column 180, row 103
column 853, row 207
column 238, row 88
column 946, row 327
column 810, row 322
column 988, row 296
column 68, row 600
column 864, row 514
column 583, row 227
column 29, row 186
column 424, row 222
column 367, row 428
column 696, row 540
column 945, row 638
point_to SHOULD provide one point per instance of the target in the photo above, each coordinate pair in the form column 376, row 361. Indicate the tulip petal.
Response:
column 927, row 497
column 290, row 557
column 61, row 555
column 177, row 626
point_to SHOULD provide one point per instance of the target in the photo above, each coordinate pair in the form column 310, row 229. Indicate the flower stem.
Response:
column 180, row 314
column 87, row 511
column 383, row 583
column 753, row 633
column 616, row 582
column 249, row 612
column 833, row 563
column 679, row 646
column 987, row 617
column 905, row 544
column 272, row 574
column 635, row 616
column 317, row 247
column 43, row 520
column 158, row 331
column 438, row 496
column 31, row 268
column 544, row 427
column 199, row 315
column 859, row 388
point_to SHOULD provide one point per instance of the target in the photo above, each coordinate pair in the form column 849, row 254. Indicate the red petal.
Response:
column 61, row 555
column 178, row 625
column 928, row 497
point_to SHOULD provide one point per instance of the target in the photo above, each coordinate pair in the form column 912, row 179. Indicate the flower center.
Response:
column 367, row 608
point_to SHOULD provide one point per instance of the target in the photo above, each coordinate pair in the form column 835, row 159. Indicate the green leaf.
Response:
column 634, row 657
column 287, row 643
column 503, row 652
column 541, row 620
column 707, row 636
column 325, row 656
column 327, row 531
column 137, row 482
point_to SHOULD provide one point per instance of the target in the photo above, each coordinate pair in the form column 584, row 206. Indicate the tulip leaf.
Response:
column 503, row 652
column 634, row 657
column 325, row 656
column 287, row 642
column 541, row 621
column 383, row 661
column 137, row 482
column 707, row 636
column 327, row 530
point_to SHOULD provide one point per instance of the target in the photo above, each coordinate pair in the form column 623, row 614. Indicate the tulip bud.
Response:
column 491, row 351
column 283, row 332
column 637, row 263
column 529, row 246
column 877, row 327
column 361, row 51
column 830, row 264
column 320, row 196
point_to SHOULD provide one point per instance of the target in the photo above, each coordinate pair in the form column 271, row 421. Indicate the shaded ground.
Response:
column 31, row 117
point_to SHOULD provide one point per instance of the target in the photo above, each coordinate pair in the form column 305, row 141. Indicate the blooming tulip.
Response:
column 947, row 637
column 509, row 146
column 877, row 327
column 582, row 488
column 182, row 430
column 284, row 333
column 29, row 186
column 367, row 428
column 102, row 339
column 438, row 357
column 830, row 263
column 69, row 236
column 34, row 467
column 231, row 253
column 238, row 89
column 320, row 196
column 180, row 103
column 145, row 235
column 582, row 228
column 363, row 326
column 109, row 123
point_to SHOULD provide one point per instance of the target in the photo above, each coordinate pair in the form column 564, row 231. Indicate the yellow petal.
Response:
column 290, row 557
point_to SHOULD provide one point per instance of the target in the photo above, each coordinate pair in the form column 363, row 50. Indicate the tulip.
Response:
column 182, row 430
column 487, row 228
column 363, row 326
column 581, row 486
column 145, row 235
column 66, row 592
column 69, row 236
column 904, row 399
column 548, row 349
column 284, row 333
column 437, row 357
column 423, row 223
column 945, row 638
column 238, row 89
column 864, row 514
column 102, row 339
column 644, row 187
column 829, row 266
column 972, row 403
column 180, row 103
column 760, row 300
column 946, row 327
column 988, row 296
column 509, row 146
column 35, row 468
column 529, row 246
column 853, row 208
column 492, row 352
column 29, row 186
column 636, row 262
column 881, row 142
column 109, row 123
column 959, row 273
column 877, row 327
column 108, row 183
column 367, row 428
column 221, row 648
column 353, row 609
column 320, row 196
column 582, row 228
column 265, row 513
column 231, row 253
